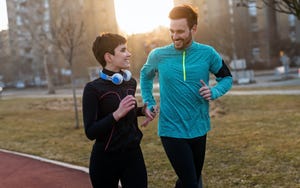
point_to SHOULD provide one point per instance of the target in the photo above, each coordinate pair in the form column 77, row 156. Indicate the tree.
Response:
column 283, row 6
column 68, row 36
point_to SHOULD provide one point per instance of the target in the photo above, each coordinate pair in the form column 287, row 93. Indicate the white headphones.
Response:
column 116, row 78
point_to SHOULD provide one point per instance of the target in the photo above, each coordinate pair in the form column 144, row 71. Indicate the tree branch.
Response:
column 282, row 6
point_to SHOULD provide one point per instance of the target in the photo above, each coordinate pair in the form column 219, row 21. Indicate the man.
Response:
column 285, row 60
column 184, row 68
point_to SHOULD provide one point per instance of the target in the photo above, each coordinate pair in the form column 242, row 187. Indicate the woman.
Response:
column 110, row 118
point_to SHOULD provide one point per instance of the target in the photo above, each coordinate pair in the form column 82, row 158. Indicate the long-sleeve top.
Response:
column 184, row 113
column 100, row 99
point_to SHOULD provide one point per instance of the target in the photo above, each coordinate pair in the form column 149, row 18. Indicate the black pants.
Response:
column 106, row 169
column 187, row 158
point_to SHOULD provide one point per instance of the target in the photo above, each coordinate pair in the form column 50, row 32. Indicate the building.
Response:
column 4, row 57
column 251, row 33
column 29, row 27
column 31, row 32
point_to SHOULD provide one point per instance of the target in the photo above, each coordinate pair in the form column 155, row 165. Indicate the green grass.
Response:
column 256, row 88
column 254, row 141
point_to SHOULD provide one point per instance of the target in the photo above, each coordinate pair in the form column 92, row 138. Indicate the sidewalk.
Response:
column 26, row 171
column 266, row 79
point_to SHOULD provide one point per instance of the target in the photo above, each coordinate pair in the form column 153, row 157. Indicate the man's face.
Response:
column 181, row 34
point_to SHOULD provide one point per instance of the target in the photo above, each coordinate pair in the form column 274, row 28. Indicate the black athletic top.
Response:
column 100, row 99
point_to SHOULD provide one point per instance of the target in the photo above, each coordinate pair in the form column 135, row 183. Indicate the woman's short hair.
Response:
column 106, row 42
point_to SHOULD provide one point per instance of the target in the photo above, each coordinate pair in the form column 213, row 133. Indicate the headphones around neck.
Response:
column 116, row 78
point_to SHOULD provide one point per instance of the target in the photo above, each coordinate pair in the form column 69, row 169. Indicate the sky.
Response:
column 3, row 15
column 138, row 16
column 144, row 17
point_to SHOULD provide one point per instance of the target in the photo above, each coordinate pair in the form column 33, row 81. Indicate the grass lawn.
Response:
column 254, row 141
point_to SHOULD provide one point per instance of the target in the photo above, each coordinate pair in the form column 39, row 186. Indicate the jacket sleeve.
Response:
column 93, row 125
column 147, row 75
column 224, row 82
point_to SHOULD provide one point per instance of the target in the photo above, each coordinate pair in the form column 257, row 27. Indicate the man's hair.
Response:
column 106, row 42
column 185, row 11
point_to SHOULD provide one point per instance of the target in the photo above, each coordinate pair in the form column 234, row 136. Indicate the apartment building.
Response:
column 30, row 23
column 23, row 26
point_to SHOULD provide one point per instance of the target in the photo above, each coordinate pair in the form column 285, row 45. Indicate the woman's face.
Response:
column 120, row 60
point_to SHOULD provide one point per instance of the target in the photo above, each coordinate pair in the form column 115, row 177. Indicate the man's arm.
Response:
column 147, row 75
column 224, row 82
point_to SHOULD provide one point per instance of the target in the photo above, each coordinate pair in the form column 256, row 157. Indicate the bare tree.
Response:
column 45, row 46
column 68, row 36
column 283, row 6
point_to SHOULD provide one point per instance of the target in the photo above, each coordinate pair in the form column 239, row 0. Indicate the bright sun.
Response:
column 139, row 16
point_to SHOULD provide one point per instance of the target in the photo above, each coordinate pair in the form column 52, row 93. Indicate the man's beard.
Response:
column 185, row 44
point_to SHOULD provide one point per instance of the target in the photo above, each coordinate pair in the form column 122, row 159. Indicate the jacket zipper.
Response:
column 183, row 65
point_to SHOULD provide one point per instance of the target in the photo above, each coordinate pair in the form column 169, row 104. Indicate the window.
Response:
column 255, row 52
column 19, row 20
column 252, row 9
column 292, row 20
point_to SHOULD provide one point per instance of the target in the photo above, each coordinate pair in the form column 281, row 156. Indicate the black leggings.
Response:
column 106, row 169
column 187, row 158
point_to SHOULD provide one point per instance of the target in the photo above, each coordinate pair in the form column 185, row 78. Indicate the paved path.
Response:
column 266, row 81
column 26, row 171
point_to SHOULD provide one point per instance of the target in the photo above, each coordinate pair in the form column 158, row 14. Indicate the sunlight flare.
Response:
column 139, row 16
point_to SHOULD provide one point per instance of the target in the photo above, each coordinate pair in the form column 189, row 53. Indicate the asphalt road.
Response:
column 266, row 80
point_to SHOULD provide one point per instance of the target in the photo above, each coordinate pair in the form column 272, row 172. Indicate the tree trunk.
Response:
column 74, row 97
column 272, row 34
column 51, row 89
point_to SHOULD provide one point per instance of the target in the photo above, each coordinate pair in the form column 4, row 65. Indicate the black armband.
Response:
column 224, row 71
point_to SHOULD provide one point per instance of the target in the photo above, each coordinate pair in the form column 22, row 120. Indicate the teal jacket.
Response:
column 183, row 112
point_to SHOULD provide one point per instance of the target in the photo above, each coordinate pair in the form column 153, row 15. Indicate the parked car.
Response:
column 2, row 84
column 296, row 61
column 20, row 84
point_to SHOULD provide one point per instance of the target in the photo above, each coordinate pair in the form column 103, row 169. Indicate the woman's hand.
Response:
column 126, row 104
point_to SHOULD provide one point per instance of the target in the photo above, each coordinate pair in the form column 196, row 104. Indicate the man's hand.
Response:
column 204, row 91
column 150, row 114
